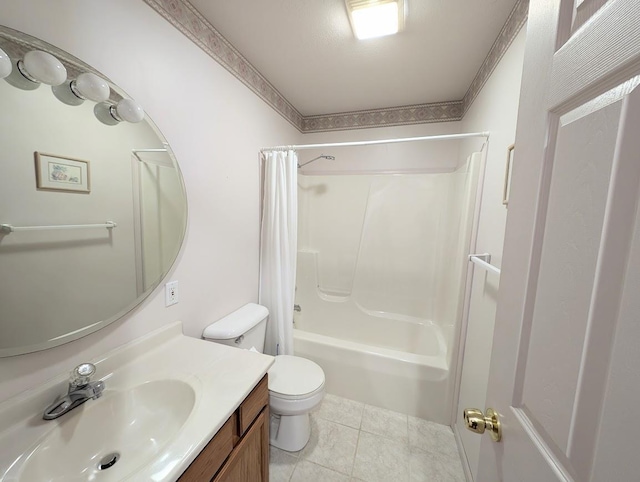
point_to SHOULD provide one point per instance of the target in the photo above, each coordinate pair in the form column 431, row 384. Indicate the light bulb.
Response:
column 375, row 20
column 90, row 86
column 39, row 66
column 5, row 64
column 125, row 110
column 86, row 86
column 128, row 110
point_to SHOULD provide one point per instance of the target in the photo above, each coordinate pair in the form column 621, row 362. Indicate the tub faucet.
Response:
column 81, row 389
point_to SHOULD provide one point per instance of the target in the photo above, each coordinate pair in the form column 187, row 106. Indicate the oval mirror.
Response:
column 92, row 207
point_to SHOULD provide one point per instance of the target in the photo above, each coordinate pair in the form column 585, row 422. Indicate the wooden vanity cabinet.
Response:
column 239, row 452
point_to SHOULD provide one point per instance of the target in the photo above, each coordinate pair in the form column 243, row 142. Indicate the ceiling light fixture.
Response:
column 375, row 18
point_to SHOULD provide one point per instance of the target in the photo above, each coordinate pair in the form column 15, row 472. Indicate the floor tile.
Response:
column 386, row 423
column 281, row 465
column 380, row 459
column 309, row 472
column 434, row 467
column 432, row 437
column 340, row 410
column 331, row 445
column 351, row 441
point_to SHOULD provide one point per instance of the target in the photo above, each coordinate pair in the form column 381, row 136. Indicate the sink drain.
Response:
column 108, row 461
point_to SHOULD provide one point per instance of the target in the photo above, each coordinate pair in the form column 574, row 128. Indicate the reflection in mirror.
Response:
column 62, row 167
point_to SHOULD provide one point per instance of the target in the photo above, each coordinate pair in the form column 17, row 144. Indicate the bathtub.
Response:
column 400, row 381
column 380, row 358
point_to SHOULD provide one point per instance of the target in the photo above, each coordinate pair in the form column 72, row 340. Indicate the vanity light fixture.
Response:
column 39, row 67
column 375, row 18
column 5, row 64
column 125, row 110
column 86, row 86
column 42, row 67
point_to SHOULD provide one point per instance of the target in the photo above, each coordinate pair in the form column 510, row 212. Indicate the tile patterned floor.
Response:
column 352, row 441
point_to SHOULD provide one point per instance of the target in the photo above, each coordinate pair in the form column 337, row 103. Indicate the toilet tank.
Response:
column 244, row 328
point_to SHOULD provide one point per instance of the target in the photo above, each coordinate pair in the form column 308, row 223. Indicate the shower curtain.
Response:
column 278, row 248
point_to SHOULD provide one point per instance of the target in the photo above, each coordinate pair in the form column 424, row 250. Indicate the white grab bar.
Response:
column 484, row 260
column 8, row 228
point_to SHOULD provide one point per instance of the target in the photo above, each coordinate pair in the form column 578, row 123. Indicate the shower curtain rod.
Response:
column 384, row 141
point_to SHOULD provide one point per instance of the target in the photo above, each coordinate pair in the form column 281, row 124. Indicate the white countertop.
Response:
column 221, row 377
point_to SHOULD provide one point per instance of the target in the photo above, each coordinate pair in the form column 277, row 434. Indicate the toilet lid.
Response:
column 292, row 375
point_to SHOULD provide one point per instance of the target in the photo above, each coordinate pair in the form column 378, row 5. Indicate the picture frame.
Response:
column 507, row 175
column 62, row 173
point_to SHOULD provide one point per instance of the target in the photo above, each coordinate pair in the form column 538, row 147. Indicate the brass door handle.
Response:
column 477, row 422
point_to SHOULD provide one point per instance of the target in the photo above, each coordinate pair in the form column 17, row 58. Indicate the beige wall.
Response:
column 495, row 110
column 215, row 126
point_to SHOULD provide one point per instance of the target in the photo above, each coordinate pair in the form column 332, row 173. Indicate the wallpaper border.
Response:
column 182, row 15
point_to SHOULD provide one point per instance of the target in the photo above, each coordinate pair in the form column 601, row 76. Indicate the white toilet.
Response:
column 296, row 385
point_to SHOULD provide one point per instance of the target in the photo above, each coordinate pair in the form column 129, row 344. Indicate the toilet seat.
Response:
column 280, row 396
column 295, row 378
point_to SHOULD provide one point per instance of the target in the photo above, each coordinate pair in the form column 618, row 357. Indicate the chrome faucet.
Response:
column 81, row 389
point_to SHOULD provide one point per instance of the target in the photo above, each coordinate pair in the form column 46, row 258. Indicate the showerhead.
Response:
column 331, row 158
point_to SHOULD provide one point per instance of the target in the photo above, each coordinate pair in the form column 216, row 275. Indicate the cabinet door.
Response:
column 214, row 454
column 250, row 459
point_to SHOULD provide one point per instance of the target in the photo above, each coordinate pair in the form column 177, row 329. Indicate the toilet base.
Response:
column 290, row 432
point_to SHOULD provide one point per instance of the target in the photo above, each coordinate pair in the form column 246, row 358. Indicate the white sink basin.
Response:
column 166, row 396
column 134, row 424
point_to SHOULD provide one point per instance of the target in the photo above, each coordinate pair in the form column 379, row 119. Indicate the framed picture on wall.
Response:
column 59, row 173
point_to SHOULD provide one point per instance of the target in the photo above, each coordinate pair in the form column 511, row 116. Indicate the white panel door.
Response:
column 565, row 365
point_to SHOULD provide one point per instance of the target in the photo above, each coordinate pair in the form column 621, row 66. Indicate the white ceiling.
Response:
column 306, row 49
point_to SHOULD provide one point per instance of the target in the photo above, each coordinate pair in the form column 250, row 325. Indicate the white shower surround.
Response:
column 381, row 307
